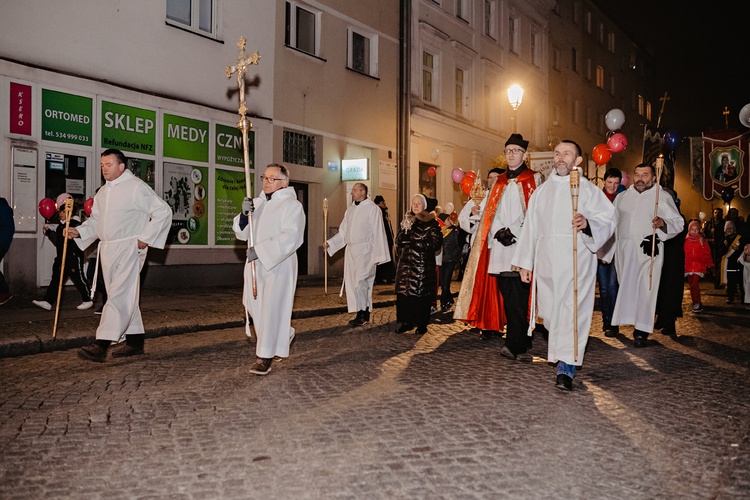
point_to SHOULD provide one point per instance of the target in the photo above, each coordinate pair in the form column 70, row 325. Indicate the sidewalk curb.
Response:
column 38, row 346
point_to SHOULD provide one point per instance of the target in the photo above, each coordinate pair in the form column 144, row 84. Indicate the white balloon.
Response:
column 449, row 208
column 614, row 119
column 745, row 115
column 702, row 216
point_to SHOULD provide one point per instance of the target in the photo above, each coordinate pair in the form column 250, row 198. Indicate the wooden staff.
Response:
column 243, row 62
column 68, row 213
column 658, row 166
column 325, row 238
column 575, row 186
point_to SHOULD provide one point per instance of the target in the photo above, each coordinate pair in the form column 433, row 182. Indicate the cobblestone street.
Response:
column 368, row 413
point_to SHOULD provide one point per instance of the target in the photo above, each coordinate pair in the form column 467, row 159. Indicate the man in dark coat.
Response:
column 672, row 283
column 385, row 272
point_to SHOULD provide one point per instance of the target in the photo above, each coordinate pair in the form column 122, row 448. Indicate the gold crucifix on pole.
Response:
column 663, row 100
column 726, row 117
column 244, row 124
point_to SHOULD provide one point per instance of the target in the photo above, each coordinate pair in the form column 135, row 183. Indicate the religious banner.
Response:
column 653, row 146
column 725, row 163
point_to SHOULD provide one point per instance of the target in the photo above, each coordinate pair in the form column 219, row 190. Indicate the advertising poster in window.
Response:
column 186, row 191
column 66, row 117
column 128, row 128
column 229, row 192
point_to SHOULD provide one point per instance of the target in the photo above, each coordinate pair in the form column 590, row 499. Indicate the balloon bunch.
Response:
column 464, row 179
column 745, row 115
column 616, row 141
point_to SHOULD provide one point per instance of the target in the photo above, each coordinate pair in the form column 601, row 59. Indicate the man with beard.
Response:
column 545, row 247
column 636, row 302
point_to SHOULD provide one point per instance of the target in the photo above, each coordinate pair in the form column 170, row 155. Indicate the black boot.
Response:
column 133, row 346
column 359, row 320
column 95, row 352
column 366, row 314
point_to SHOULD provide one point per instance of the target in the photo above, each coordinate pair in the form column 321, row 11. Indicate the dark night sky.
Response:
column 702, row 57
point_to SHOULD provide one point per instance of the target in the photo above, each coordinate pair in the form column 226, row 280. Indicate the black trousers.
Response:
column 516, row 304
column 74, row 271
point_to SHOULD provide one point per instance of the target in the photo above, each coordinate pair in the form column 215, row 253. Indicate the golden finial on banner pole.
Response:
column 244, row 124
column 477, row 191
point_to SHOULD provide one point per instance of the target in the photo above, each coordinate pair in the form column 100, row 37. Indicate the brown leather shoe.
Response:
column 94, row 352
column 133, row 346
column 261, row 366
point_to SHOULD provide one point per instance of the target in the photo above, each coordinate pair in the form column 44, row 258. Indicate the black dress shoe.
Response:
column 404, row 327
column 639, row 342
column 564, row 382
column 421, row 330
column 486, row 334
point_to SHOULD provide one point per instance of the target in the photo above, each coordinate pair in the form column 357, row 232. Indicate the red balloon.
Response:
column 466, row 184
column 47, row 208
column 454, row 217
column 471, row 175
column 601, row 154
column 617, row 142
column 88, row 205
column 431, row 171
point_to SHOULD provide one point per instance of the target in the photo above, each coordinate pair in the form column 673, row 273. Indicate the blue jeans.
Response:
column 606, row 275
column 564, row 368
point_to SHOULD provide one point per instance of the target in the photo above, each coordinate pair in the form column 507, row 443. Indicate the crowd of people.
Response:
column 530, row 256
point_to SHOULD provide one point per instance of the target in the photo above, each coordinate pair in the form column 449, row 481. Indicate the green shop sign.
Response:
column 128, row 128
column 229, row 146
column 185, row 138
column 66, row 117
column 229, row 191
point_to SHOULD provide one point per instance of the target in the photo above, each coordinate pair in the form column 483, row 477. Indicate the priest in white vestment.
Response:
column 546, row 248
column 636, row 303
column 363, row 235
column 127, row 218
column 278, row 223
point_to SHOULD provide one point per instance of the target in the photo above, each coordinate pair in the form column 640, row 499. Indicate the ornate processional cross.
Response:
column 243, row 62
column 726, row 116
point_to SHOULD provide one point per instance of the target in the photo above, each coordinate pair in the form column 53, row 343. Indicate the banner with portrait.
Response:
column 725, row 163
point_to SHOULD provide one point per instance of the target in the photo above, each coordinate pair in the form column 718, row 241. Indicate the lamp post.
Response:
column 515, row 96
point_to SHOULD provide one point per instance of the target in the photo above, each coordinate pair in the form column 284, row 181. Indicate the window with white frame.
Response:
column 362, row 52
column 462, row 93
column 589, row 22
column 556, row 115
column 490, row 18
column 574, row 60
column 611, row 42
column 428, row 73
column 463, row 9
column 513, row 34
column 536, row 49
column 601, row 32
column 195, row 15
column 556, row 58
column 302, row 27
column 600, row 77
column 640, row 105
column 648, row 110
column 577, row 12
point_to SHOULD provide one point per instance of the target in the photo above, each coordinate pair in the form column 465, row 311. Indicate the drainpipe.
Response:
column 403, row 127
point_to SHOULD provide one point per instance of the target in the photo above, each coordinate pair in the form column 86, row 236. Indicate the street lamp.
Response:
column 515, row 96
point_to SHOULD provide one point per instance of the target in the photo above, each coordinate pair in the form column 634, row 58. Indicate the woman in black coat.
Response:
column 417, row 244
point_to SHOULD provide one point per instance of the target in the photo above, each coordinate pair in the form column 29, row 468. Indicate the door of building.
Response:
column 302, row 195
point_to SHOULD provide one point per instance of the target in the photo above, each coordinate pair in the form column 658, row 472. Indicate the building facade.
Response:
column 149, row 78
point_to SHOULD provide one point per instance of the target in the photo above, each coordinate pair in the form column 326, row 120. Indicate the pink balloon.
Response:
column 625, row 179
column 457, row 175
column 47, row 208
column 617, row 142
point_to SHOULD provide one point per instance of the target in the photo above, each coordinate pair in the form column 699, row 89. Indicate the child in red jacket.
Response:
column 697, row 261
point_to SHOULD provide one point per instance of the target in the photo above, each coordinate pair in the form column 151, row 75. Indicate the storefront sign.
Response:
column 128, row 128
column 354, row 170
column 230, row 190
column 185, row 138
column 229, row 146
column 20, row 109
column 66, row 117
